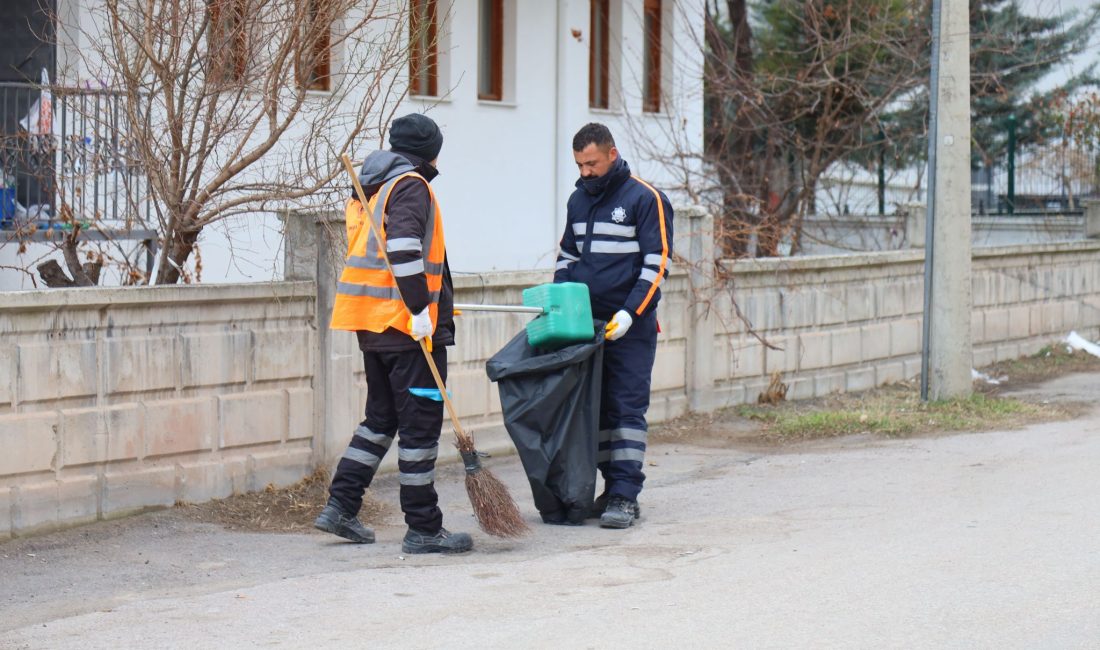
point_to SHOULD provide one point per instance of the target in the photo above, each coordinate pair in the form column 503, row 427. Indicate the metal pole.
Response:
column 1011, row 164
column 881, row 172
column 517, row 309
column 150, row 257
column 930, row 221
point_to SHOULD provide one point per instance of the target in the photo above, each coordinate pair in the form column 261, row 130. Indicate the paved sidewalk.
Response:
column 974, row 540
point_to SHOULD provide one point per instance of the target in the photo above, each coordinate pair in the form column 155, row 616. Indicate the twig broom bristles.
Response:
column 493, row 506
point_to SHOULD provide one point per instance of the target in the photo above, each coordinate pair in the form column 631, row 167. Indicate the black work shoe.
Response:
column 620, row 513
column 334, row 520
column 444, row 541
column 600, row 505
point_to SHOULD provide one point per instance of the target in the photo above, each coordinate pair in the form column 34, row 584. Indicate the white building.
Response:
column 514, row 81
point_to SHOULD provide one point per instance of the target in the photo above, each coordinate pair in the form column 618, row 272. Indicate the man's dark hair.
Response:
column 593, row 133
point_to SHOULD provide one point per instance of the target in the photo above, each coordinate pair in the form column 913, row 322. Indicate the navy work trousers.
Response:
column 627, row 374
column 399, row 401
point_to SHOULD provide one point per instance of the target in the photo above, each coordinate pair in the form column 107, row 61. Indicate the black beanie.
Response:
column 416, row 134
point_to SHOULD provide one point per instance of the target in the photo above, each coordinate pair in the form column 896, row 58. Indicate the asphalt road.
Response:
column 971, row 541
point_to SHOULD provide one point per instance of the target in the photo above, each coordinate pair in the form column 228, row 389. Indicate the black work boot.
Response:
column 333, row 519
column 620, row 513
column 444, row 541
column 600, row 505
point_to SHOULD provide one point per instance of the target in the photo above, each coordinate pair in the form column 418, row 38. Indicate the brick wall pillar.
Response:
column 1092, row 219
column 916, row 223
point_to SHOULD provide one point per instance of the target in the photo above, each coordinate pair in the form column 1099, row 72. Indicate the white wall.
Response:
column 497, row 164
column 507, row 167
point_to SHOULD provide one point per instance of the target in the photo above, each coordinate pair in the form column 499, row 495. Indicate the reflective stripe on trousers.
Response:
column 622, row 444
column 393, row 410
column 627, row 372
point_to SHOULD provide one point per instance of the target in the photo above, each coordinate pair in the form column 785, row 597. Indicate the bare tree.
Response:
column 237, row 107
column 823, row 75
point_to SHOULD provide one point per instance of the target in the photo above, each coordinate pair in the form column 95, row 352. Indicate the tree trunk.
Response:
column 72, row 260
column 730, row 133
column 176, row 254
column 54, row 277
column 736, row 226
column 742, row 37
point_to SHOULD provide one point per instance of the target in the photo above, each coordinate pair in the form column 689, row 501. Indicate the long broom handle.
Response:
column 423, row 342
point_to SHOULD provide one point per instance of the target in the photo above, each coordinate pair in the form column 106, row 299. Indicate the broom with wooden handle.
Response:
column 493, row 506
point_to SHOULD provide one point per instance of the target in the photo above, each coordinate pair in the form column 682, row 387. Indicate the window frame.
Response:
column 223, row 34
column 652, row 56
column 421, row 49
column 319, row 78
column 599, row 59
column 495, row 92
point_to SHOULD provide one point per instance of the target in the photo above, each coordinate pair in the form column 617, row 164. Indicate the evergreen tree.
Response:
column 1010, row 53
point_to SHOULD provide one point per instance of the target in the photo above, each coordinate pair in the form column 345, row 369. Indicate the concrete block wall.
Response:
column 116, row 400
column 825, row 234
column 1026, row 297
column 842, row 323
column 827, row 324
column 852, row 322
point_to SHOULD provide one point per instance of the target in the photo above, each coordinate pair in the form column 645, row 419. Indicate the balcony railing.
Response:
column 67, row 157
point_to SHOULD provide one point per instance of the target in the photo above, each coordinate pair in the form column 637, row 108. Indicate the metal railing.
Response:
column 71, row 162
column 1054, row 178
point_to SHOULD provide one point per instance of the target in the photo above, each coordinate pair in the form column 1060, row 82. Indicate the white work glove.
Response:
column 421, row 325
column 618, row 326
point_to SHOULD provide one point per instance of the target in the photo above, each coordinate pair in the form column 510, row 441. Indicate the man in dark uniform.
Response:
column 618, row 241
column 402, row 397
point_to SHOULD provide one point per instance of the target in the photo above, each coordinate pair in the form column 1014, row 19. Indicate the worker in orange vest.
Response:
column 390, row 312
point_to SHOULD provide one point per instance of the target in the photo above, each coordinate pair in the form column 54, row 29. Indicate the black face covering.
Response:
column 426, row 170
column 596, row 186
column 423, row 167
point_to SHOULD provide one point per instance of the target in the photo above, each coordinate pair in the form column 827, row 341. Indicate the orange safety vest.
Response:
column 366, row 295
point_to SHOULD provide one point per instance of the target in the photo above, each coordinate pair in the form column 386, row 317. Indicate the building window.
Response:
column 227, row 40
column 599, row 53
column 651, row 63
column 490, row 69
column 424, row 48
column 316, row 56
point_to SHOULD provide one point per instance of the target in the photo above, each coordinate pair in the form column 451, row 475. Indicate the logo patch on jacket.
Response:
column 618, row 215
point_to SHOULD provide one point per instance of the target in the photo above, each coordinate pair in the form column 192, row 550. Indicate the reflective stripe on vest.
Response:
column 367, row 297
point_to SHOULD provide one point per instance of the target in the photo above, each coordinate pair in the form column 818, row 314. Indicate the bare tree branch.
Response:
column 240, row 107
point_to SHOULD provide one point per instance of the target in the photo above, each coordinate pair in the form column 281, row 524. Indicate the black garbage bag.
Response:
column 551, row 404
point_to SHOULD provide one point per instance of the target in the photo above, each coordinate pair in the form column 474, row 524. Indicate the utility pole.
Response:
column 947, row 354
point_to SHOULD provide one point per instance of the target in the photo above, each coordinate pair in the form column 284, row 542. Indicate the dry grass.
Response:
column 896, row 411
column 281, row 510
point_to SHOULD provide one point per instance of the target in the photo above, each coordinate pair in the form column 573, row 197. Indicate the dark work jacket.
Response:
column 618, row 241
column 407, row 216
